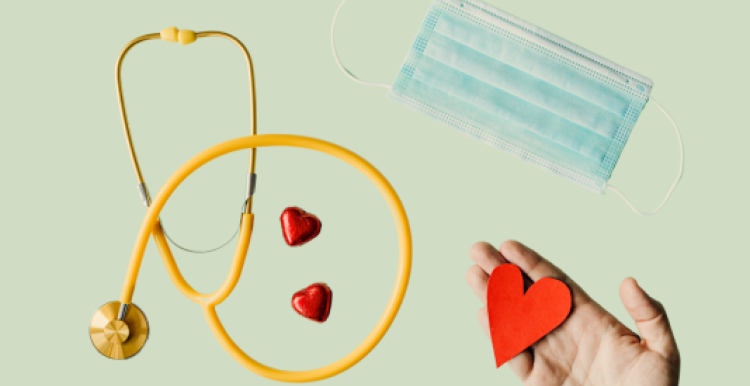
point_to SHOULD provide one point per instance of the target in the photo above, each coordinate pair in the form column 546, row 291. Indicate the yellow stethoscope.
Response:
column 119, row 329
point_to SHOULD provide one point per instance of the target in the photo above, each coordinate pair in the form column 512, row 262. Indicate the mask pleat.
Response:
column 523, row 85
column 534, row 63
column 487, row 126
column 510, row 108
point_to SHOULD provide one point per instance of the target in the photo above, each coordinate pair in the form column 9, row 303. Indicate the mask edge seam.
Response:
column 549, row 54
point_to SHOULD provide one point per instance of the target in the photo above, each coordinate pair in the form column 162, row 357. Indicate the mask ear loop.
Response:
column 679, row 173
column 336, row 56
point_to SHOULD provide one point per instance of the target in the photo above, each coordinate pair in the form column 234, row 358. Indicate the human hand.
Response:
column 591, row 347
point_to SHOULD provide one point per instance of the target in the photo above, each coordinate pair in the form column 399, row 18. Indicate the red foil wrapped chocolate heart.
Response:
column 313, row 302
column 298, row 226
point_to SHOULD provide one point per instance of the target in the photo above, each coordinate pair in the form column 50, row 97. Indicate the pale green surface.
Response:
column 71, row 211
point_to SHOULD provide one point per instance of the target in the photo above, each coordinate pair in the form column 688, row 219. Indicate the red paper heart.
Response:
column 516, row 320
column 313, row 302
column 298, row 226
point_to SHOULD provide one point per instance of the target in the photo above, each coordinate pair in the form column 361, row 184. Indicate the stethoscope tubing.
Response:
column 150, row 225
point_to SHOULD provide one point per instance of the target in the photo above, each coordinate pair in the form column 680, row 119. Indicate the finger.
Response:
column 477, row 279
column 486, row 256
column 537, row 267
column 650, row 318
column 522, row 363
column 484, row 321
column 529, row 261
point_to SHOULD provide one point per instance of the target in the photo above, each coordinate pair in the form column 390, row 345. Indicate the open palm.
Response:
column 591, row 347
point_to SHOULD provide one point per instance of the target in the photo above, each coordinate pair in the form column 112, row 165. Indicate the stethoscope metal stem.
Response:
column 123, row 311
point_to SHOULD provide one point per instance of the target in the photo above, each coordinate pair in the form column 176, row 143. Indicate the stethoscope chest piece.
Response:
column 118, row 338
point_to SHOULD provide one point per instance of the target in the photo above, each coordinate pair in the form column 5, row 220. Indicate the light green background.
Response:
column 71, row 211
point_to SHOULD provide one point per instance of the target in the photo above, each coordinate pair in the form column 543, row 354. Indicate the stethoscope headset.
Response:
column 119, row 329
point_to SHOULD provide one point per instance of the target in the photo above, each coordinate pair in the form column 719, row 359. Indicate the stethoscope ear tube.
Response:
column 172, row 34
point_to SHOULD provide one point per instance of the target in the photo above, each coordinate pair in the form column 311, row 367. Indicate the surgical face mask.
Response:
column 523, row 90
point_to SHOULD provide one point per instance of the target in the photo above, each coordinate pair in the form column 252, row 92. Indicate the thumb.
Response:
column 650, row 318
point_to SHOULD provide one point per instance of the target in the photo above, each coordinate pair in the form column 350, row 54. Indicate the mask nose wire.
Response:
column 336, row 56
column 679, row 173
